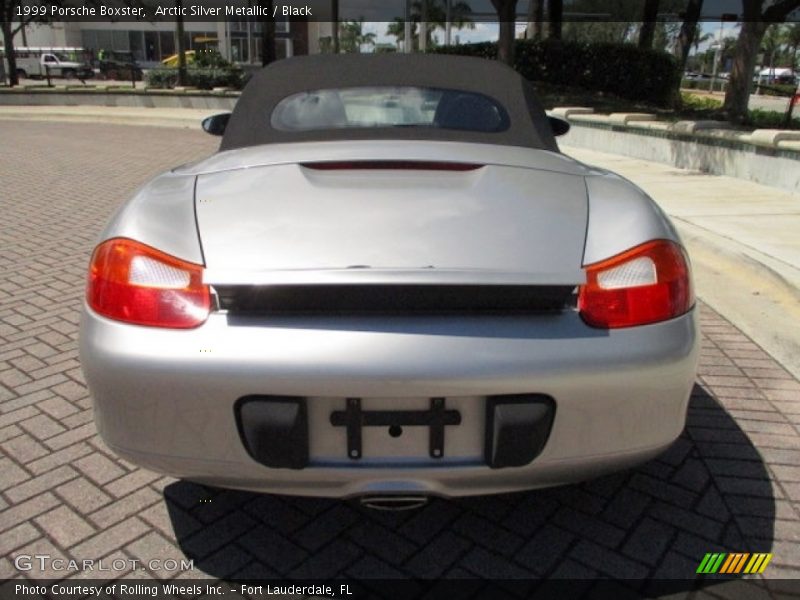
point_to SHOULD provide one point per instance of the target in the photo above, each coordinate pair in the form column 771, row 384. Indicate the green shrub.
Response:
column 704, row 84
column 161, row 78
column 200, row 77
column 693, row 102
column 777, row 89
column 211, row 59
column 620, row 69
column 768, row 119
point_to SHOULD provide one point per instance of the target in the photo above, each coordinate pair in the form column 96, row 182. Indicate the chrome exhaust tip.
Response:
column 393, row 502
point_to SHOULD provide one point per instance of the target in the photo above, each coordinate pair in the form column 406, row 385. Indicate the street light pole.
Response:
column 717, row 45
column 423, row 27
column 407, row 41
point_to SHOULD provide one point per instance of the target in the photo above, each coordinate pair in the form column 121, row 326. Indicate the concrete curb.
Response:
column 772, row 137
column 773, row 161
column 726, row 271
column 156, row 117
column 742, row 241
column 123, row 96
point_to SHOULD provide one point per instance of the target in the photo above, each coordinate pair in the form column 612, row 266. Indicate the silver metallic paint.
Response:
column 621, row 216
column 164, row 398
column 505, row 219
column 161, row 215
column 281, row 154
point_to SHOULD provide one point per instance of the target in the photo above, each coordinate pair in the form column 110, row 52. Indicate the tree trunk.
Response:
column 737, row 95
column 267, row 37
column 267, row 33
column 534, row 29
column 181, row 44
column 506, row 14
column 686, row 36
column 648, row 30
column 335, row 25
column 555, row 18
column 8, row 42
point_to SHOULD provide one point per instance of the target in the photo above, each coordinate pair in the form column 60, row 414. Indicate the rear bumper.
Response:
column 165, row 399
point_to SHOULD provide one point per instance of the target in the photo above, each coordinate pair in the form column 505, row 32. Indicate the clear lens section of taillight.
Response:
column 636, row 272
column 134, row 283
column 647, row 284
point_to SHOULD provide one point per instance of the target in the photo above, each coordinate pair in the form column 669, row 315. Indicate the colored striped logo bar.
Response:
column 734, row 563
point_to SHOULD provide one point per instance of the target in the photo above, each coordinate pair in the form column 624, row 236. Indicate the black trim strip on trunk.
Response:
column 354, row 299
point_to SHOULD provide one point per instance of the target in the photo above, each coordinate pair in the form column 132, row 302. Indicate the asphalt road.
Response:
column 731, row 483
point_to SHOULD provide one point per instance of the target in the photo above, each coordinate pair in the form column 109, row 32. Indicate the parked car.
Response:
column 693, row 76
column 778, row 76
column 389, row 283
column 119, row 65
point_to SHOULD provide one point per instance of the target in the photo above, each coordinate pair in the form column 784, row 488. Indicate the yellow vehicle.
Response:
column 172, row 61
column 201, row 43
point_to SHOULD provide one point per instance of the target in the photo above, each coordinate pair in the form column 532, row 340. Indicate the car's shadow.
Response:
column 709, row 493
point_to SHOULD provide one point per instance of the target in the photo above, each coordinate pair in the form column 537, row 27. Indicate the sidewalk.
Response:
column 189, row 118
column 744, row 242
column 743, row 237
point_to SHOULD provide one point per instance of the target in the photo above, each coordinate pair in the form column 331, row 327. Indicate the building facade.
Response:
column 238, row 39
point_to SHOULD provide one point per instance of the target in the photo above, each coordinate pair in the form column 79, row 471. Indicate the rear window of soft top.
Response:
column 372, row 107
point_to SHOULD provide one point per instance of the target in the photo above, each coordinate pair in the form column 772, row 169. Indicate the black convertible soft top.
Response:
column 250, row 125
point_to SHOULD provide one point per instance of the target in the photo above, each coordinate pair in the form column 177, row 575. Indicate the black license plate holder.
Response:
column 354, row 418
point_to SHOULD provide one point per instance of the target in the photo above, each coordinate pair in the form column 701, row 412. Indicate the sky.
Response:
column 728, row 30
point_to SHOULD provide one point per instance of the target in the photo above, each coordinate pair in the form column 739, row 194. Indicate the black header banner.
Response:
column 366, row 10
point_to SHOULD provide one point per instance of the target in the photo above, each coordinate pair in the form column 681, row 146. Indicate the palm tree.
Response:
column 506, row 17
column 728, row 49
column 648, row 29
column 688, row 32
column 771, row 43
column 435, row 17
column 665, row 35
column 397, row 28
column 352, row 36
column 181, row 44
column 755, row 17
column 791, row 37
column 267, row 33
column 700, row 37
column 555, row 17
column 533, row 30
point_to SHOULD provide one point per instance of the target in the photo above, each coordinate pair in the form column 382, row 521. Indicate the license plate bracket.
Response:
column 353, row 418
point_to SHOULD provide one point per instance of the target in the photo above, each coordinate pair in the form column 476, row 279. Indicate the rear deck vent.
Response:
column 391, row 165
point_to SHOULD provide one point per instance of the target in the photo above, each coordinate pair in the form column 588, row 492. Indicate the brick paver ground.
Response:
column 730, row 483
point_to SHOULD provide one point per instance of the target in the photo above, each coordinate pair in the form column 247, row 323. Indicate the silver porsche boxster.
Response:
column 389, row 282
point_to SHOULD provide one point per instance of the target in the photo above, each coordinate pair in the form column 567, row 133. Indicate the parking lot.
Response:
column 731, row 483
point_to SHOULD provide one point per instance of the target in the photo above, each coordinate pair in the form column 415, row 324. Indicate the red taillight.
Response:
column 646, row 284
column 131, row 282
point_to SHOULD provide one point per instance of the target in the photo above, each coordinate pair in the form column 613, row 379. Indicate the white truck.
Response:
column 61, row 62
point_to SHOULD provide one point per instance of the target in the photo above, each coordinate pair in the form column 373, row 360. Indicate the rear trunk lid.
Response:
column 285, row 220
